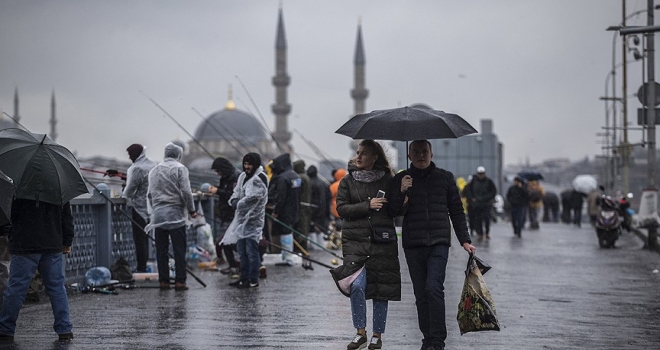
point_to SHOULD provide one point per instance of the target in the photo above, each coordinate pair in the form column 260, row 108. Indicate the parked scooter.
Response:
column 608, row 222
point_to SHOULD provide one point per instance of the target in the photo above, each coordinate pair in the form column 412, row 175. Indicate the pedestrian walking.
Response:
column 225, row 212
column 518, row 198
column 480, row 193
column 593, row 204
column 374, row 265
column 171, row 202
column 577, row 201
column 321, row 200
column 40, row 234
column 249, row 199
column 285, row 189
column 137, row 184
column 550, row 207
column 536, row 194
column 428, row 198
column 566, row 209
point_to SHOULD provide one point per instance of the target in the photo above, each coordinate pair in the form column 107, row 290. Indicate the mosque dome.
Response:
column 231, row 124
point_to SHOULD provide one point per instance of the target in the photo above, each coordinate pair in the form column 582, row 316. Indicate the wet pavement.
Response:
column 553, row 289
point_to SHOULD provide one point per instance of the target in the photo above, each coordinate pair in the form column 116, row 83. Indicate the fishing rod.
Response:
column 265, row 125
column 177, row 123
column 302, row 235
column 316, row 150
column 192, row 274
column 108, row 173
column 306, row 267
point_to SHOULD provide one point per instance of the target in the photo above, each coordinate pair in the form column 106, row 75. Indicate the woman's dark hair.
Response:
column 381, row 163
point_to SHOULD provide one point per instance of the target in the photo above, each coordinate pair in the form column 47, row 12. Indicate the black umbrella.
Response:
column 41, row 169
column 406, row 124
column 530, row 175
column 6, row 197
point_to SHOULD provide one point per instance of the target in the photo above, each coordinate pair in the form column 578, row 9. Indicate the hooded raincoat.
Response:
column 251, row 196
column 169, row 195
column 137, row 183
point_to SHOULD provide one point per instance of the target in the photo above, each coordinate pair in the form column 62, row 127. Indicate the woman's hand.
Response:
column 377, row 203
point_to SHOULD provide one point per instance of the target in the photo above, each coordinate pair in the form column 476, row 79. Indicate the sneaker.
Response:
column 248, row 284
column 65, row 336
column 234, row 273
column 375, row 343
column 262, row 272
column 226, row 270
column 236, row 283
column 359, row 342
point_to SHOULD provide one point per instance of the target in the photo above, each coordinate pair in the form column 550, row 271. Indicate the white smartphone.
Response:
column 380, row 194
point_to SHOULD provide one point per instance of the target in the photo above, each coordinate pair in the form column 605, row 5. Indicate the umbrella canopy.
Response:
column 530, row 175
column 585, row 183
column 406, row 124
column 6, row 197
column 42, row 170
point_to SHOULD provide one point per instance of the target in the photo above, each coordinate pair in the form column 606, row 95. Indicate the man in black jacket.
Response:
column 429, row 196
column 480, row 194
column 41, row 233
column 286, row 191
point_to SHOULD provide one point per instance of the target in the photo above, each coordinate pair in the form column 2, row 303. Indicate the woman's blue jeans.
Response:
column 21, row 272
column 359, row 305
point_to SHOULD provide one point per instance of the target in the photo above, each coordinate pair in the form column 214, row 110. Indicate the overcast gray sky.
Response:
column 536, row 68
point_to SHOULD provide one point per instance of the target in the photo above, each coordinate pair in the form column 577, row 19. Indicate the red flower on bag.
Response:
column 467, row 304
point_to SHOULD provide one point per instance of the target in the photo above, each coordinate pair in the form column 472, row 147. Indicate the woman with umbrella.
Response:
column 373, row 267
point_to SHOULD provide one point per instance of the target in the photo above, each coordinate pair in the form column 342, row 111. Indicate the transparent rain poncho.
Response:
column 252, row 196
column 169, row 195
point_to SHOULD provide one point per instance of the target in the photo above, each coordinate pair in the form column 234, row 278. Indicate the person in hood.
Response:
column 305, row 204
column 249, row 200
column 428, row 198
column 137, row 184
column 373, row 266
column 171, row 201
column 321, row 200
column 225, row 212
column 285, row 189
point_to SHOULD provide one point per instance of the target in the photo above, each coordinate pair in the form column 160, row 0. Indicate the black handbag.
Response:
column 382, row 234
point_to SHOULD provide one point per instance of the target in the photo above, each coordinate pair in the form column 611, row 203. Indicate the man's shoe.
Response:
column 375, row 343
column 6, row 339
column 358, row 342
column 262, row 272
column 180, row 286
column 235, row 283
column 235, row 273
column 65, row 336
column 164, row 285
column 248, row 284
column 226, row 270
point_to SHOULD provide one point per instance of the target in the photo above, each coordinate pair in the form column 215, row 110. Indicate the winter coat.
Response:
column 286, row 191
column 40, row 227
column 517, row 196
column 534, row 185
column 577, row 199
column 169, row 194
column 480, row 192
column 322, row 198
column 380, row 260
column 432, row 200
column 250, row 197
column 593, row 206
column 339, row 174
column 137, row 183
column 226, row 187
column 305, row 197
